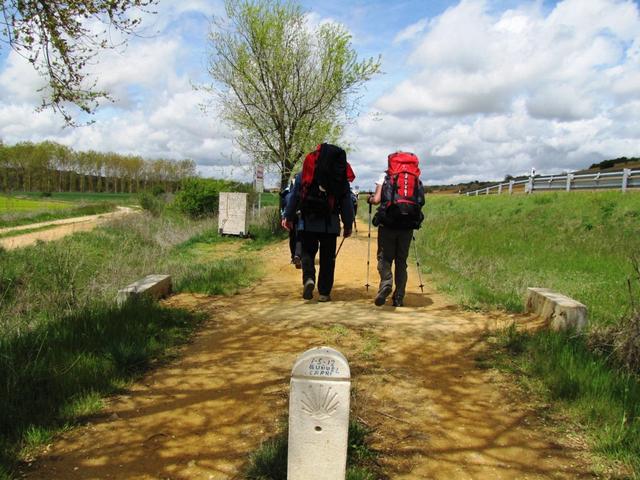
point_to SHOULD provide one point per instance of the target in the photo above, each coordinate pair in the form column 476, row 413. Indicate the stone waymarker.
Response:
column 319, row 416
column 156, row 286
column 232, row 214
column 560, row 311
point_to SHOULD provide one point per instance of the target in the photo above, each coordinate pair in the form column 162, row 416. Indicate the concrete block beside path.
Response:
column 156, row 286
column 559, row 311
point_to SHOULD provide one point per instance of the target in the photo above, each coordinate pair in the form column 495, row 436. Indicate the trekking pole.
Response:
column 415, row 248
column 369, row 248
column 340, row 246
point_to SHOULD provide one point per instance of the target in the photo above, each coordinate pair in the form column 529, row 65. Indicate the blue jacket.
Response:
column 307, row 223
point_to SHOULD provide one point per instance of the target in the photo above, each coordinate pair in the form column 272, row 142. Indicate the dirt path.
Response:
column 435, row 413
column 59, row 228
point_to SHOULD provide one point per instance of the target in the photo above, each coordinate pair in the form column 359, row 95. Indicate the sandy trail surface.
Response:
column 434, row 412
column 59, row 228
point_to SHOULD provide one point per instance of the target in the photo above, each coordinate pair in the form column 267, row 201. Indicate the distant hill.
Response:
column 622, row 162
column 604, row 166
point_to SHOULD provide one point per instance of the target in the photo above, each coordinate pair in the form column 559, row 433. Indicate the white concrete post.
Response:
column 477, row 192
column 487, row 191
column 569, row 180
column 500, row 189
column 625, row 178
column 319, row 416
column 511, row 182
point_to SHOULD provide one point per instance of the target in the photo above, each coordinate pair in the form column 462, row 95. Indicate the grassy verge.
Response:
column 24, row 231
column 63, row 344
column 605, row 402
column 269, row 461
column 83, row 197
column 17, row 218
column 59, row 370
column 486, row 251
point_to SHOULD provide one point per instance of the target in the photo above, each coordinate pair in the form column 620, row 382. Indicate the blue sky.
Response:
column 477, row 88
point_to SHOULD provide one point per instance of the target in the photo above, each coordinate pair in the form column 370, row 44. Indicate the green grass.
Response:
column 63, row 343
column 605, row 401
column 84, row 197
column 11, row 204
column 269, row 461
column 24, row 231
column 487, row 250
column 27, row 217
column 269, row 199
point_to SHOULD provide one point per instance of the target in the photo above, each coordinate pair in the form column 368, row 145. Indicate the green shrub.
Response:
column 151, row 203
column 157, row 190
column 198, row 197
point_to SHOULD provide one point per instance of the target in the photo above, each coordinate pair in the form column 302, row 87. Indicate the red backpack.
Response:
column 402, row 193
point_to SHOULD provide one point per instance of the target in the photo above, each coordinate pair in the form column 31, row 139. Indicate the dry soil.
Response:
column 435, row 413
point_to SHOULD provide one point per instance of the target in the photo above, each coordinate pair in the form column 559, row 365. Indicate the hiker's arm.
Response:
column 289, row 215
column 347, row 214
column 376, row 198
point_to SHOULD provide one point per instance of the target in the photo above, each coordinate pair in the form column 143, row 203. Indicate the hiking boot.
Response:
column 297, row 262
column 324, row 298
column 307, row 292
column 397, row 302
column 382, row 296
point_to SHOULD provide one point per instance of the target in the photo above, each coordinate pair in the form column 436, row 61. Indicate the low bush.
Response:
column 153, row 204
column 198, row 197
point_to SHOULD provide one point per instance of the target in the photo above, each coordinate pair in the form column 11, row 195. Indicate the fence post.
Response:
column 569, row 180
column 486, row 192
column 500, row 189
column 511, row 182
column 625, row 178
column 529, row 188
column 477, row 192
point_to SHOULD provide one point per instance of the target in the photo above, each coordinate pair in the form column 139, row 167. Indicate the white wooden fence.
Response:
column 621, row 180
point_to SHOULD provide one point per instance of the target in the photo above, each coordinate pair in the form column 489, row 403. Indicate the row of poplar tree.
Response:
column 51, row 167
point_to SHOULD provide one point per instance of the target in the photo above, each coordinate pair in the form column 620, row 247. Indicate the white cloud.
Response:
column 496, row 93
column 412, row 31
column 19, row 81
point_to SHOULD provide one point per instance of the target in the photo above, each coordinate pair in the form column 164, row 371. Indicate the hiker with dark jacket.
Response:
column 318, row 231
column 294, row 242
column 400, row 194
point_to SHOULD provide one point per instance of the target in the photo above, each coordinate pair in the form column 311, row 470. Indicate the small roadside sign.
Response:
column 258, row 181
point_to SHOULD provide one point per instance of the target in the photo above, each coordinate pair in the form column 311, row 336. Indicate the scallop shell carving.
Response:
column 320, row 403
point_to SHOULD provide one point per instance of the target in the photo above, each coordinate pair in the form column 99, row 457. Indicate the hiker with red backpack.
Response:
column 400, row 194
column 320, row 198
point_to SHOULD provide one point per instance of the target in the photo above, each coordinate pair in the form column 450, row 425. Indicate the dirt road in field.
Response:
column 435, row 412
column 58, row 228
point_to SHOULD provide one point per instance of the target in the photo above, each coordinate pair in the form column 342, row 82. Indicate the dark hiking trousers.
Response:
column 393, row 246
column 326, row 242
column 293, row 241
